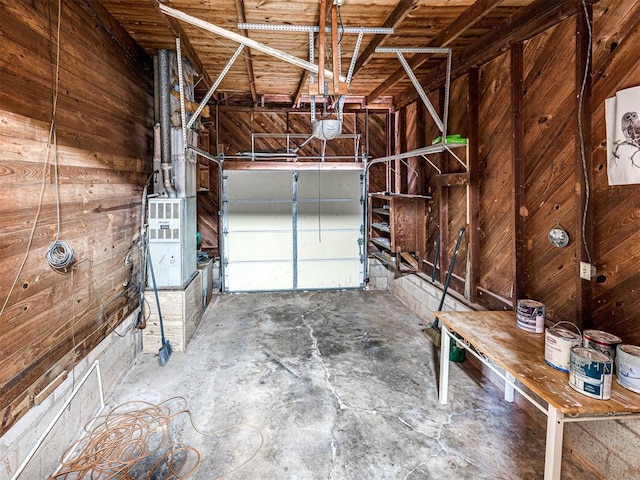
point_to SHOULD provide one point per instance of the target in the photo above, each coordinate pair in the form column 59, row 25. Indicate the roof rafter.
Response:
column 404, row 8
column 305, row 73
column 248, row 59
column 468, row 18
column 187, row 47
column 534, row 19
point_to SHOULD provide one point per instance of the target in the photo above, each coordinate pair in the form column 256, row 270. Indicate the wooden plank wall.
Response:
column 103, row 121
column 496, row 205
column 616, row 209
column 552, row 177
column 236, row 126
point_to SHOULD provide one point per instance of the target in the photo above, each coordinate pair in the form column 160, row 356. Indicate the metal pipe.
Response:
column 165, row 122
column 221, row 245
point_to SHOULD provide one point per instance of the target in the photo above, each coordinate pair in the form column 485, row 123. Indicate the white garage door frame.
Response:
column 293, row 229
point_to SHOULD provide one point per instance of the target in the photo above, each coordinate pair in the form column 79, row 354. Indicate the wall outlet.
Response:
column 587, row 271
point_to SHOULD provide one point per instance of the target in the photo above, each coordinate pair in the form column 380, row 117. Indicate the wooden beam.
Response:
column 322, row 19
column 473, row 187
column 403, row 8
column 534, row 19
column 186, row 47
column 248, row 60
column 335, row 66
column 300, row 89
column 517, row 165
column 466, row 20
column 583, row 163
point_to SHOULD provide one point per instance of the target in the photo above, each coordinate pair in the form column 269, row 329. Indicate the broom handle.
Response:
column 155, row 291
column 435, row 258
column 450, row 271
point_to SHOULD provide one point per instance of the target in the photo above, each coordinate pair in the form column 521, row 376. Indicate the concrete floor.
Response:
column 339, row 385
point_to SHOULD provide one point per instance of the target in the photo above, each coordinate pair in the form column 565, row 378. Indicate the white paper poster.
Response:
column 623, row 137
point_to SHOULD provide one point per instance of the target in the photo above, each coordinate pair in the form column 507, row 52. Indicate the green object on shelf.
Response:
column 455, row 138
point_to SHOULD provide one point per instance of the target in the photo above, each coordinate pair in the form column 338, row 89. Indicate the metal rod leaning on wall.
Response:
column 218, row 162
column 94, row 366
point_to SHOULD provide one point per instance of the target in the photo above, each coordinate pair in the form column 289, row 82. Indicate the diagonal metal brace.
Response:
column 442, row 124
column 421, row 92
column 215, row 85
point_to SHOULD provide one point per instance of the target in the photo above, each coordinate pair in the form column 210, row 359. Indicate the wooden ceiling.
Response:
column 468, row 27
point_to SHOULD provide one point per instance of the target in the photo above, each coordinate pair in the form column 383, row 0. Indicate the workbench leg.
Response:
column 444, row 365
column 553, row 451
column 509, row 391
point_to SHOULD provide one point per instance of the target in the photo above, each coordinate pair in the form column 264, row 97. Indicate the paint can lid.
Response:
column 563, row 333
column 632, row 350
column 590, row 354
column 530, row 303
column 603, row 338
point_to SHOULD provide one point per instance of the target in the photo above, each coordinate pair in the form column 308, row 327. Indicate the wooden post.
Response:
column 583, row 163
column 321, row 49
column 473, row 188
column 517, row 188
column 334, row 49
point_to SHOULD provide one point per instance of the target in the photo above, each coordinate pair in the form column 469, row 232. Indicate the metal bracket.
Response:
column 441, row 123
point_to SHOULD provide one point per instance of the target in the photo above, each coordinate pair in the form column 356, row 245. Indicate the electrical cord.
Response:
column 585, row 171
column 119, row 441
column 54, row 81
column 59, row 256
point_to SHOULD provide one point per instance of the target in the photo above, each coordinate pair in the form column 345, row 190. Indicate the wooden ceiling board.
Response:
column 418, row 24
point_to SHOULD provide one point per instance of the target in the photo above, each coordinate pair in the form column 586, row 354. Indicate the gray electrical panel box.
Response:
column 172, row 240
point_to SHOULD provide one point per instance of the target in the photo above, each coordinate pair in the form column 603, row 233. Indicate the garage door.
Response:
column 292, row 230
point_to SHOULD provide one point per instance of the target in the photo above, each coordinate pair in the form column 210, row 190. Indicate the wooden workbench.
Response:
column 517, row 357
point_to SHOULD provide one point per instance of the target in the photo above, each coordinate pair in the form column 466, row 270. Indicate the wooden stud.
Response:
column 583, row 165
column 517, row 159
column 473, row 187
column 248, row 60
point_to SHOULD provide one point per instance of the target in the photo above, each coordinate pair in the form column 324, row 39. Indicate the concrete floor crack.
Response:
column 441, row 446
column 317, row 354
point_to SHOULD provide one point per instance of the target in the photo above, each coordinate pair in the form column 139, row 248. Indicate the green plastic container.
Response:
column 456, row 354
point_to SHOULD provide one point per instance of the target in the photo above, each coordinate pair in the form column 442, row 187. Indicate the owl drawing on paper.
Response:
column 630, row 125
column 631, row 128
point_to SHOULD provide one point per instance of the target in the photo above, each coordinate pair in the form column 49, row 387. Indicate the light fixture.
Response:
column 327, row 129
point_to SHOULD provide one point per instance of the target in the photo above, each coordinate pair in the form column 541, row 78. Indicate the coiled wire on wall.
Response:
column 60, row 255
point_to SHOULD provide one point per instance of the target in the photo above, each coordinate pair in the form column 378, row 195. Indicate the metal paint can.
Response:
column 602, row 341
column 530, row 315
column 590, row 373
column 558, row 342
column 628, row 367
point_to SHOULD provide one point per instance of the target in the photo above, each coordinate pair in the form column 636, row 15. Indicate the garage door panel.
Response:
column 330, row 214
column 254, row 246
column 259, row 276
column 328, row 244
column 259, row 216
column 336, row 184
column 329, row 274
column 258, row 185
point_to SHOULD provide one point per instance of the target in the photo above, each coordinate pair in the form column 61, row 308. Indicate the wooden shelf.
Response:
column 397, row 226
column 381, row 211
column 381, row 227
